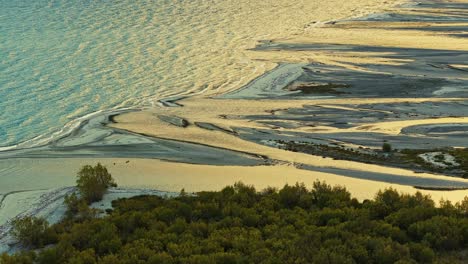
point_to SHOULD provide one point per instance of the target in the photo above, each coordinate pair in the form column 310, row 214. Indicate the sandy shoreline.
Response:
column 172, row 177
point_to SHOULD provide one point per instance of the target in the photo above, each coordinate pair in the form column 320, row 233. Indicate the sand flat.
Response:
column 145, row 122
column 167, row 176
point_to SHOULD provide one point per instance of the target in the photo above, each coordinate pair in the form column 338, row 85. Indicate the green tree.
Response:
column 32, row 231
column 78, row 209
column 386, row 147
column 84, row 257
column 325, row 195
column 421, row 253
column 73, row 204
column 93, row 182
column 290, row 196
column 20, row 258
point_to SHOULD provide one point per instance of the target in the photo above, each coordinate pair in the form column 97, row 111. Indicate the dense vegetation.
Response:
column 240, row 225
column 33, row 232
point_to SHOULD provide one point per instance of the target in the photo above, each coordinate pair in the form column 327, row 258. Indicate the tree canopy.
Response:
column 93, row 182
column 32, row 231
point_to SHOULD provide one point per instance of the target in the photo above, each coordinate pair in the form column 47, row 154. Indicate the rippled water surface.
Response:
column 63, row 59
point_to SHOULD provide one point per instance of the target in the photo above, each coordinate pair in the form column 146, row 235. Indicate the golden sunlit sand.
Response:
column 168, row 176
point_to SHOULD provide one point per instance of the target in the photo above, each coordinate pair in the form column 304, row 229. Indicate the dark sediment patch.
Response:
column 171, row 102
column 174, row 120
column 455, row 29
column 111, row 118
column 317, row 88
column 423, row 17
column 428, row 188
column 212, row 127
column 460, row 35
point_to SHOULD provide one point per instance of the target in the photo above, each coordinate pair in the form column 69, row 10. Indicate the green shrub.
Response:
column 93, row 182
column 386, row 147
column 32, row 231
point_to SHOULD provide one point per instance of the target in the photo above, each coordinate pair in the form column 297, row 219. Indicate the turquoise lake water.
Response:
column 63, row 59
column 60, row 60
